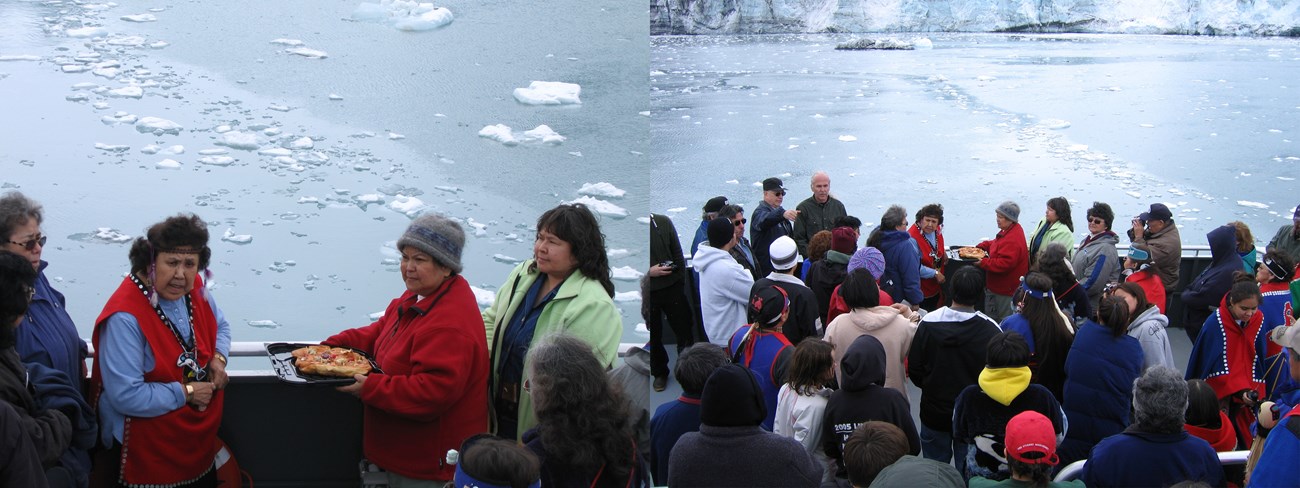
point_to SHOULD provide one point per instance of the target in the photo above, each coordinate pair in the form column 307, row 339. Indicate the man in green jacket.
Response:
column 817, row 212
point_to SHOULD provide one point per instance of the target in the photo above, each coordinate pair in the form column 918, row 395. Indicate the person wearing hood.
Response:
column 1139, row 270
column 1229, row 354
column 946, row 356
column 724, row 283
column 1099, row 372
column 1007, row 261
column 981, row 412
column 730, row 449
column 1147, row 326
column 803, row 303
column 1096, row 261
column 1155, row 450
column 902, row 278
column 867, row 316
column 1203, row 294
column 863, row 397
column 828, row 273
column 1056, row 226
column 761, row 347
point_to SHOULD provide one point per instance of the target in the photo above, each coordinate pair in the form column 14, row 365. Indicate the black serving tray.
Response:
column 281, row 354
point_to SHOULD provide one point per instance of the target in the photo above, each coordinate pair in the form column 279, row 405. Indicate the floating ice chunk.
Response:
column 126, row 92
column 213, row 152
column 393, row 136
column 430, row 20
column 159, row 44
column 308, row 200
column 271, row 131
column 230, row 236
column 335, row 97
column 151, row 149
column 627, row 296
column 84, row 32
column 19, row 57
column 676, row 209
column 409, row 206
column 618, row 253
column 641, row 329
column 110, row 234
column 506, row 259
column 625, row 273
column 732, row 182
column 480, row 229
column 217, row 160
column 485, row 298
column 279, row 108
column 86, row 85
column 128, row 41
column 549, row 93
column 158, row 126
column 448, row 189
column 307, row 52
column 287, row 42
column 601, row 189
column 109, row 73
column 176, row 149
column 1146, row 126
column 275, row 151
column 500, row 133
column 818, row 116
column 74, row 68
column 1285, row 178
column 1247, row 203
column 1133, row 194
column 1054, row 124
column 246, row 141
column 299, row 143
column 601, row 207
column 77, row 97
column 404, row 15
column 140, row 18
column 543, row 134
column 848, row 138
column 168, row 164
column 264, row 324
column 112, row 147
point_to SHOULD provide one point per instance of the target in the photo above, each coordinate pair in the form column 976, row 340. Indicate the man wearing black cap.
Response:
column 1160, row 238
column 711, row 209
column 769, row 222
column 731, row 449
column 1287, row 239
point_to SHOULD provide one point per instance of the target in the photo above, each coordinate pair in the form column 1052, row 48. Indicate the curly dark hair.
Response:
column 15, row 210
column 17, row 277
column 1062, row 208
column 580, row 413
column 931, row 210
column 1102, row 211
column 575, row 224
column 181, row 230
column 819, row 244
column 1051, row 262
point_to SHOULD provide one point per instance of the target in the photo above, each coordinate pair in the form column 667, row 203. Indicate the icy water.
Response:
column 1206, row 125
column 308, row 168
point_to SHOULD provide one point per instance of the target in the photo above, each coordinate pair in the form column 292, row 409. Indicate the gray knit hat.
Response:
column 437, row 236
column 1010, row 210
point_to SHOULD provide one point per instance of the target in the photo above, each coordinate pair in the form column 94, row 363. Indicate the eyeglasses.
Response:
column 1097, row 221
column 779, row 193
column 31, row 244
column 739, row 223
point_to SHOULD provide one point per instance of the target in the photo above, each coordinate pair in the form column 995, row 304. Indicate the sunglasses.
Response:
column 1097, row 221
column 739, row 223
column 779, row 193
column 33, row 242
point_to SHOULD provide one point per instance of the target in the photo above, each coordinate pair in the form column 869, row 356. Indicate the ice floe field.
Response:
column 1208, row 126
column 308, row 133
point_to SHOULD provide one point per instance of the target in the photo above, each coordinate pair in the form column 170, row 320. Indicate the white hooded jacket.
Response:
column 724, row 292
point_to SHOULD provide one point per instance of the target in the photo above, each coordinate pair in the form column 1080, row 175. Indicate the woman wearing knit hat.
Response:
column 429, row 394
column 566, row 288
column 1007, row 261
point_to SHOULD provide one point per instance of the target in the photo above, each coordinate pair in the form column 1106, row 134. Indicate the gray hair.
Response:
column 15, row 210
column 894, row 216
column 696, row 363
column 1160, row 401
column 813, row 179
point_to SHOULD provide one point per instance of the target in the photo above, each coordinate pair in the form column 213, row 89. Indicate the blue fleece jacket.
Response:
column 1099, row 374
column 902, row 278
column 1136, row 458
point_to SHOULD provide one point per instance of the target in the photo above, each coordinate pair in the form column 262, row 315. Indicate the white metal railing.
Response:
column 1072, row 472
column 258, row 349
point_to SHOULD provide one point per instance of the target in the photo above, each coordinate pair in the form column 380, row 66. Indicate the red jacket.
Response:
column 1008, row 260
column 838, row 306
column 931, row 257
column 1222, row 439
column 1152, row 285
column 432, row 393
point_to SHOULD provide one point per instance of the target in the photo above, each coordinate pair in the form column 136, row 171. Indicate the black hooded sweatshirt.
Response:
column 947, row 355
column 862, row 398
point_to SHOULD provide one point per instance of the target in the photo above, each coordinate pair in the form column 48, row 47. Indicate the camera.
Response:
column 668, row 264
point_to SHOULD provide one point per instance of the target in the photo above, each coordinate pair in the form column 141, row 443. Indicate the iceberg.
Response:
column 549, row 93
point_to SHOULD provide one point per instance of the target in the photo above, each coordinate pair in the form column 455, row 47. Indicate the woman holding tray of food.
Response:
column 566, row 288
column 161, row 343
column 430, row 392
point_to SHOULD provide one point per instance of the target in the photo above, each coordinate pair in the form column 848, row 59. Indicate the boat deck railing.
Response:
column 1075, row 469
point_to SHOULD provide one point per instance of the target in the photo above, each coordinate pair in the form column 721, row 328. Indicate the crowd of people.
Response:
column 528, row 390
column 1032, row 351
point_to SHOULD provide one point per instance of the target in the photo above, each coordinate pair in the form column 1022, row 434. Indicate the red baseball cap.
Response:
column 1031, row 439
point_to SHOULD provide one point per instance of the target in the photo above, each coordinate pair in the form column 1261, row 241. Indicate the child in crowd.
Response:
column 1030, row 448
column 487, row 461
column 801, row 404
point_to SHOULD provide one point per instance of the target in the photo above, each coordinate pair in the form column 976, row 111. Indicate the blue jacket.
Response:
column 1276, row 466
column 1208, row 289
column 1099, row 374
column 1144, row 459
column 902, row 278
column 770, row 356
column 701, row 235
column 765, row 225
column 53, row 391
column 672, row 420
column 47, row 335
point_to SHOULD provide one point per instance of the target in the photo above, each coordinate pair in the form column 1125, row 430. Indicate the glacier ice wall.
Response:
column 1217, row 17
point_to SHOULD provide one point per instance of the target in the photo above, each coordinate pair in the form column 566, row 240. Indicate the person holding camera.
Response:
column 667, row 286
column 1154, row 231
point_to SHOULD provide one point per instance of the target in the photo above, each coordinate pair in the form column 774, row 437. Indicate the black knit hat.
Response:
column 720, row 232
column 732, row 398
column 439, row 237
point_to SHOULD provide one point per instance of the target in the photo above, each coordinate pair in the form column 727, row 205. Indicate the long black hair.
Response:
column 575, row 224
column 1062, row 208
column 1052, row 336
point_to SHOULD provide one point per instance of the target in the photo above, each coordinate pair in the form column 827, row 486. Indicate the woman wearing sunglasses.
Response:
column 1096, row 261
column 161, row 344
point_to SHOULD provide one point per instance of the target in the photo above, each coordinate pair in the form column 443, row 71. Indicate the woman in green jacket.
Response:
column 566, row 288
column 1056, row 226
